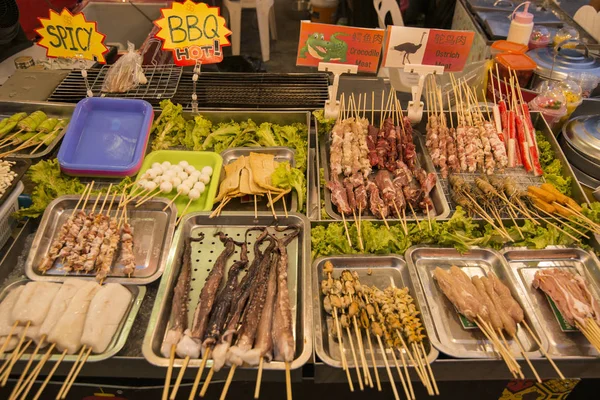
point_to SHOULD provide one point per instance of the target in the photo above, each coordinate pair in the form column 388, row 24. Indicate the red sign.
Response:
column 449, row 49
column 340, row 45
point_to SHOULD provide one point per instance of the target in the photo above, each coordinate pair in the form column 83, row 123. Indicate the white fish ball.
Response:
column 183, row 189
column 207, row 170
column 166, row 164
column 175, row 181
column 194, row 194
column 177, row 169
column 199, row 186
column 183, row 164
column 196, row 174
column 188, row 182
column 204, row 179
column 182, row 175
column 166, row 187
column 189, row 169
column 142, row 183
column 151, row 185
column 170, row 173
column 156, row 165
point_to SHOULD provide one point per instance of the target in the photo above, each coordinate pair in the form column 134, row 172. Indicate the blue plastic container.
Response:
column 107, row 137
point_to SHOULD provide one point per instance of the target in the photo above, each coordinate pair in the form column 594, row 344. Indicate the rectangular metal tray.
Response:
column 20, row 166
column 442, row 208
column 447, row 333
column 117, row 342
column 522, row 178
column 54, row 110
column 523, row 264
column 234, row 224
column 152, row 235
column 282, row 154
column 379, row 271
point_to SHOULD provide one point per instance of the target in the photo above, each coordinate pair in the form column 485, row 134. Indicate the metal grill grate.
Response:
column 261, row 90
column 162, row 84
column 214, row 89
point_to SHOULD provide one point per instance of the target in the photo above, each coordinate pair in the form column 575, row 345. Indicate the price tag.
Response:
column 340, row 45
column 71, row 36
column 445, row 48
column 195, row 33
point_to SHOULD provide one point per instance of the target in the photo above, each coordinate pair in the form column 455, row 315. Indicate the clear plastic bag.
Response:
column 125, row 74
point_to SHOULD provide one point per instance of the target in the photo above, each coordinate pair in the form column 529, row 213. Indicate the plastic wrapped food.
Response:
column 540, row 37
column 572, row 92
column 565, row 33
column 552, row 104
column 586, row 81
column 125, row 74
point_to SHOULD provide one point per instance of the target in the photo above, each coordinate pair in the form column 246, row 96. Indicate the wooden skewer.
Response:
column 139, row 203
column 79, row 367
column 183, row 212
column 285, row 210
column 409, row 354
column 228, row 382
column 387, row 368
column 165, row 394
column 361, row 351
column 399, row 372
column 410, row 387
column 52, row 371
column 435, row 387
column 288, row 381
column 524, row 354
column 560, row 221
column 35, row 373
column 384, row 220
column 355, row 359
column 373, row 360
column 10, row 333
column 255, row 208
column 341, row 347
column 517, row 366
column 360, row 241
column 259, row 378
column 15, row 355
column 346, row 229
column 7, row 362
column 211, row 372
column 421, row 368
column 26, row 369
column 272, row 206
column 205, row 357
column 186, row 360
column 71, row 372
column 544, row 352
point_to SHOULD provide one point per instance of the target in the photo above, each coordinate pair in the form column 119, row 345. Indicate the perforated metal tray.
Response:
column 378, row 271
column 447, row 333
column 282, row 154
column 523, row 264
column 204, row 254
column 152, row 235
column 118, row 340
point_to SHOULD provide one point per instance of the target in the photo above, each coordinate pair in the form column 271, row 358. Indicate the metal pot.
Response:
column 556, row 63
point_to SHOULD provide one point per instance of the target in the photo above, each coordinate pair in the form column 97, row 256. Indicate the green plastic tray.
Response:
column 198, row 159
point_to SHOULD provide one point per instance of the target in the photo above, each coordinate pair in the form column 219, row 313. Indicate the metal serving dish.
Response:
column 282, row 154
column 522, row 178
column 233, row 224
column 523, row 264
column 444, row 327
column 54, row 110
column 152, row 235
column 117, row 342
column 379, row 271
column 442, row 208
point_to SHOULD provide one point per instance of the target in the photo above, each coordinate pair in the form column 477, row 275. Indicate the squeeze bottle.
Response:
column 521, row 25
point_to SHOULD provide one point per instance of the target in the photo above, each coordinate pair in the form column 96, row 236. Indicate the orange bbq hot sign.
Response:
column 195, row 33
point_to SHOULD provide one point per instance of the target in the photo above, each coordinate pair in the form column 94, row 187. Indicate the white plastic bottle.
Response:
column 521, row 25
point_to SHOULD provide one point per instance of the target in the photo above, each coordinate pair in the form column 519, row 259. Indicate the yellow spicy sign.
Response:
column 71, row 36
column 193, row 32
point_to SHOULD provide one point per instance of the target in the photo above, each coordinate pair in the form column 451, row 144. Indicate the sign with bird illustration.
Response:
column 340, row 45
column 446, row 48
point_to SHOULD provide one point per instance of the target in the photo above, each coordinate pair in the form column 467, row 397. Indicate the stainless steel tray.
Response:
column 384, row 271
column 523, row 264
column 153, row 233
column 442, row 208
column 447, row 333
column 282, row 154
column 234, row 224
column 519, row 174
column 54, row 110
column 117, row 342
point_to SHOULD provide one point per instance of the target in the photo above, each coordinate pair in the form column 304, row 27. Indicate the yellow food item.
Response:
column 574, row 204
column 562, row 210
column 541, row 194
column 561, row 198
column 549, row 208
